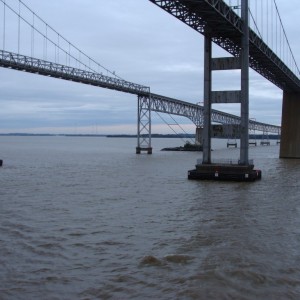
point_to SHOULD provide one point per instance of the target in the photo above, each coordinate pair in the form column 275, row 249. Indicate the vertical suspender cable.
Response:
column 4, row 20
column 262, row 17
column 256, row 11
column 268, row 23
column 276, row 32
column 272, row 27
column 286, row 39
column 32, row 36
column 44, row 47
column 58, row 48
column 19, row 27
column 69, row 56
column 46, row 42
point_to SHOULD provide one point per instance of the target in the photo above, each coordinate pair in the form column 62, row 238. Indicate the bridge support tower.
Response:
column 290, row 126
column 242, row 170
column 144, row 124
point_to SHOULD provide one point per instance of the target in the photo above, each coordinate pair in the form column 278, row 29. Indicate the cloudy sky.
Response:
column 142, row 44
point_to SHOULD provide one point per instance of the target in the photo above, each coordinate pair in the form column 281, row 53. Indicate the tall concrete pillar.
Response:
column 207, row 99
column 244, row 150
column 290, row 126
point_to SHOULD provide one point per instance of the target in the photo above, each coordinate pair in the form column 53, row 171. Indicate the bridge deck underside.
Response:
column 225, row 27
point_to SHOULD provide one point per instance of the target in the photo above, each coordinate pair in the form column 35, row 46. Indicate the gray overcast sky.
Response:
column 143, row 44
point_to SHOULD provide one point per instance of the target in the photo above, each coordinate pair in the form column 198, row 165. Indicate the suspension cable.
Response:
column 285, row 35
column 45, row 35
column 19, row 28
column 68, row 42
column 4, row 22
column 255, row 24
column 173, row 128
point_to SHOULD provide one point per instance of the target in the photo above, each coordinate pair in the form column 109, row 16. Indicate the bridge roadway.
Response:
column 225, row 27
column 158, row 103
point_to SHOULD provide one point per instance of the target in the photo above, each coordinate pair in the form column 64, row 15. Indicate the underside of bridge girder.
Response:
column 225, row 27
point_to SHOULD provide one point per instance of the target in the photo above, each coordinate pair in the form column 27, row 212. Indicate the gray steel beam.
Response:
column 195, row 113
column 225, row 63
column 226, row 96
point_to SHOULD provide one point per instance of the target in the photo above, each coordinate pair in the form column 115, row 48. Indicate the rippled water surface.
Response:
column 87, row 218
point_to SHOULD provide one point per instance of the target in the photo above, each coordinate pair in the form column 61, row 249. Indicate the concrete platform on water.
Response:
column 139, row 150
column 228, row 172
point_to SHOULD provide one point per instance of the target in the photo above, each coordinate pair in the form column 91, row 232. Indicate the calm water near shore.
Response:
column 87, row 218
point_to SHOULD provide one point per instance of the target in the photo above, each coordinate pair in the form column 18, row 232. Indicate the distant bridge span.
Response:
column 158, row 103
column 195, row 113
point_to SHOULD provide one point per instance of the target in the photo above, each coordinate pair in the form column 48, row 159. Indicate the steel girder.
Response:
column 194, row 112
column 176, row 107
column 225, row 27
column 46, row 68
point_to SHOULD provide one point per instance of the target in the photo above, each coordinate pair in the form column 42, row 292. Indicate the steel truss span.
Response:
column 195, row 113
column 158, row 103
column 46, row 68
column 225, row 28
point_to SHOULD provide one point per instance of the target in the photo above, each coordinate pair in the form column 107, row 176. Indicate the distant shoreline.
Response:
column 52, row 134
column 155, row 135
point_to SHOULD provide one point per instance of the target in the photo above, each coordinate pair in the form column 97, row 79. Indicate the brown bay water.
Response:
column 87, row 218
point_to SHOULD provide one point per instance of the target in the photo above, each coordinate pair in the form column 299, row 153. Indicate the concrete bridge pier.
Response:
column 290, row 126
column 243, row 169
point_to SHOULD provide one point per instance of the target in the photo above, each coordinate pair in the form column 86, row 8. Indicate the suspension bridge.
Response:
column 221, row 22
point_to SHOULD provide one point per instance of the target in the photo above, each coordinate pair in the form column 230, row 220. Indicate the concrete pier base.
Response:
column 228, row 172
column 139, row 150
column 290, row 126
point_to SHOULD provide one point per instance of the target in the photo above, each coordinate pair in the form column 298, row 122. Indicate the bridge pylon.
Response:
column 241, row 170
column 144, row 124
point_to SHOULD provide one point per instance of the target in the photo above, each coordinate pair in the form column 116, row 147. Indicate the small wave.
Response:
column 76, row 234
column 151, row 261
column 111, row 243
column 178, row 258
column 42, row 270
column 250, row 276
column 171, row 258
column 50, row 246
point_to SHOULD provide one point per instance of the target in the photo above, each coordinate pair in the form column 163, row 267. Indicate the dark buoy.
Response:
column 1, row 162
